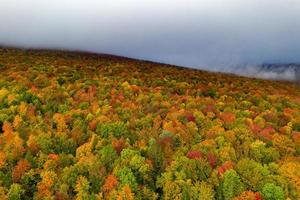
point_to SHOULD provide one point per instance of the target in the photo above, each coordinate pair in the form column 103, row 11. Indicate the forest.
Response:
column 93, row 126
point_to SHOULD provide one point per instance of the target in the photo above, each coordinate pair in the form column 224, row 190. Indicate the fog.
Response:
column 214, row 35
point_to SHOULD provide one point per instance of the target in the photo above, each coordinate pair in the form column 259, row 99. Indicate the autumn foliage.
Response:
column 86, row 126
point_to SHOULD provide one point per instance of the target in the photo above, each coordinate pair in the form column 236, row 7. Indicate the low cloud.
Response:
column 207, row 34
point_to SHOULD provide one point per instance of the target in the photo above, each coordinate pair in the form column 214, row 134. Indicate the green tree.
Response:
column 272, row 192
column 15, row 192
column 126, row 177
column 232, row 185
column 202, row 191
column 252, row 173
column 108, row 156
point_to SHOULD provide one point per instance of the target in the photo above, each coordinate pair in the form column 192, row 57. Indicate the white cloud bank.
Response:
column 209, row 34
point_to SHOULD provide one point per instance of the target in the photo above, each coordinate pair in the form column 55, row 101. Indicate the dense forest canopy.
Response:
column 87, row 126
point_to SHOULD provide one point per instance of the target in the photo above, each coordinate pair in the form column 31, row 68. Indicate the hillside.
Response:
column 87, row 126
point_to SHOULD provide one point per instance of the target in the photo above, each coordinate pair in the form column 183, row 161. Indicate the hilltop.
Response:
column 79, row 125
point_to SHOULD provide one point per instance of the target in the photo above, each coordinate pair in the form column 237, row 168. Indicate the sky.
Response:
column 205, row 34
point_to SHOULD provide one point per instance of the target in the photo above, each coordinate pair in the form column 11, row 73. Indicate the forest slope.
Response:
column 86, row 126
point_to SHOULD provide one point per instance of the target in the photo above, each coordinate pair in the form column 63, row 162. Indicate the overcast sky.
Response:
column 200, row 33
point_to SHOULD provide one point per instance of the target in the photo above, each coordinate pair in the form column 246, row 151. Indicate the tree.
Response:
column 82, row 188
column 118, row 144
column 15, row 192
column 108, row 156
column 47, row 185
column 202, row 191
column 115, row 129
column 155, row 153
column 21, row 167
column 137, row 164
column 126, row 177
column 194, row 155
column 272, row 192
column 227, row 117
column 252, row 173
column 291, row 170
column 3, row 193
column 224, row 167
column 172, row 190
column 110, row 183
column 232, row 185
column 2, row 159
column 248, row 195
column 211, row 159
column 260, row 153
column 125, row 193
column 60, row 122
column 29, row 182
column 179, row 176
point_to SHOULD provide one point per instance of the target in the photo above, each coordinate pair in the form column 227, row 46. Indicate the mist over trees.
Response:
column 214, row 35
